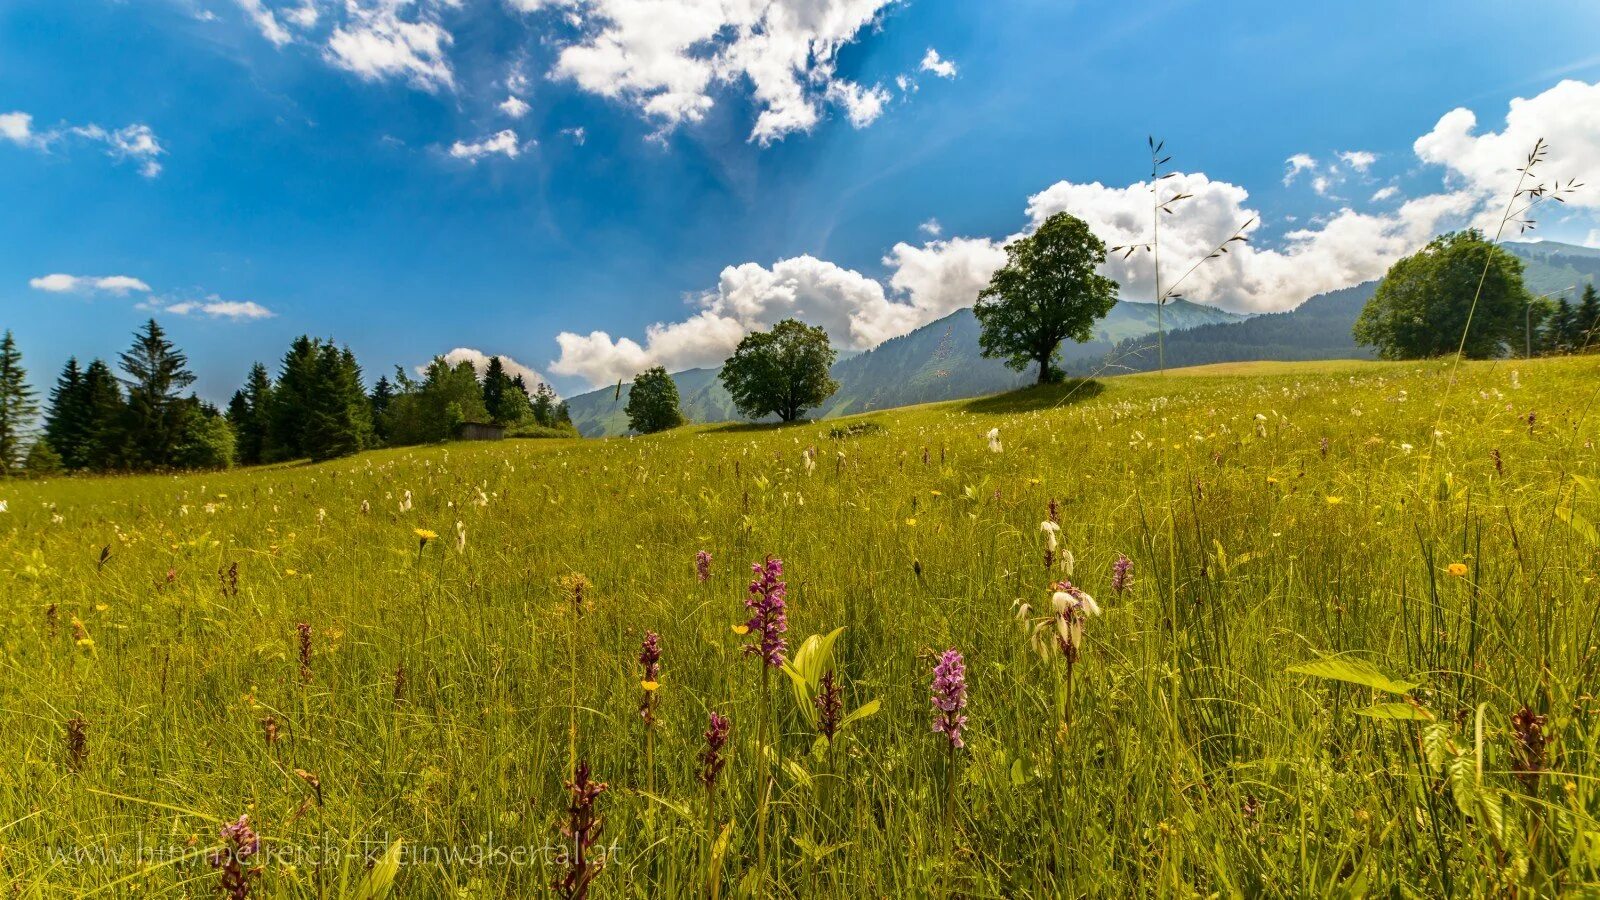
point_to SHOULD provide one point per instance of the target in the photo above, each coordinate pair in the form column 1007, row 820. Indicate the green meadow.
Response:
column 1354, row 655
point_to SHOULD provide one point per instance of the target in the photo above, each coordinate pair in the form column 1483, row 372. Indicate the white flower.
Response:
column 461, row 537
column 365, row 507
column 5, row 506
column 1050, row 530
column 994, row 440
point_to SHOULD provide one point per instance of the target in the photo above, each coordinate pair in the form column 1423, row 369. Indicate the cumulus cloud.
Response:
column 378, row 42
column 1359, row 160
column 1566, row 116
column 503, row 143
column 666, row 57
column 80, row 284
column 862, row 105
column 1300, row 162
column 1385, row 193
column 137, row 143
column 267, row 23
column 515, row 107
column 932, row 62
column 931, row 228
column 480, row 362
column 215, row 307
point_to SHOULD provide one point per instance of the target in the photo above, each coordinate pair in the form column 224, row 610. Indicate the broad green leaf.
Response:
column 1352, row 671
column 1396, row 712
column 380, row 878
column 860, row 712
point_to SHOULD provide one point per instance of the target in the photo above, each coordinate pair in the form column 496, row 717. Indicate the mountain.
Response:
column 939, row 361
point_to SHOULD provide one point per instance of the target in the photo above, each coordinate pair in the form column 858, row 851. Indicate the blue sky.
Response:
column 248, row 170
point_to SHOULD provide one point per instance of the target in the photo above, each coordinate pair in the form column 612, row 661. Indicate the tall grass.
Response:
column 1308, row 688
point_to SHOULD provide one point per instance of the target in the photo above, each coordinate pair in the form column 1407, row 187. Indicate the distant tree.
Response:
column 17, row 406
column 496, row 387
column 293, row 397
column 382, row 395
column 42, row 460
column 1562, row 329
column 250, row 413
column 544, row 406
column 781, row 372
column 653, row 402
column 155, row 373
column 1421, row 307
column 338, row 421
column 1048, row 291
column 563, row 415
column 66, row 424
column 205, row 439
column 1588, row 319
column 433, row 409
column 104, row 446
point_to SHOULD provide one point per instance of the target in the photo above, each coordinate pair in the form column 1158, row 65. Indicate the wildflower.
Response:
column 424, row 536
column 304, row 631
column 1121, row 574
column 1324, row 448
column 829, row 706
column 1335, row 501
column 1457, row 570
column 461, row 537
column 1070, row 607
column 269, row 730
column 1527, row 731
column 1499, row 464
column 1055, row 511
column 650, row 661
column 1051, row 530
column 239, row 844
column 711, row 760
column 366, row 507
column 582, row 828
column 949, row 690
column 702, row 566
column 77, row 743
column 994, row 440
column 768, row 620
column 405, row 503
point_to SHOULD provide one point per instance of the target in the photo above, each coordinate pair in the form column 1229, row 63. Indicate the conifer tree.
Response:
column 66, row 425
column 155, row 375
column 17, row 406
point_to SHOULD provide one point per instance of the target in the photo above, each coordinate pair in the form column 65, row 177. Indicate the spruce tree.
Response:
column 339, row 419
column 250, row 412
column 156, row 373
column 378, row 404
column 292, row 401
column 1563, row 328
column 104, row 419
column 66, row 425
column 17, row 406
column 496, row 387
column 1588, row 319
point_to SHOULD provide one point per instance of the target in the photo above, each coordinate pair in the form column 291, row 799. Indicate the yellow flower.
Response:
column 1459, row 570
column 87, row 643
column 650, row 685
column 290, row 572
column 741, row 629
column 424, row 535
column 1335, row 501
column 1271, row 480
column 936, row 493
column 911, row 523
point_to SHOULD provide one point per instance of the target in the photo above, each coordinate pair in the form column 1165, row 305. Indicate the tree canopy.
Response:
column 1423, row 304
column 1049, row 290
column 781, row 372
column 653, row 402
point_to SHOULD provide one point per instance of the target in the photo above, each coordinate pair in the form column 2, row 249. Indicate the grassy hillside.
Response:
column 1347, row 582
column 939, row 361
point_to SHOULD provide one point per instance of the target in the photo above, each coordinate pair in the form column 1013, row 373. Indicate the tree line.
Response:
column 137, row 417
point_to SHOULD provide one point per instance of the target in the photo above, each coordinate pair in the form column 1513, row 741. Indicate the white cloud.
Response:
column 515, row 107
column 666, row 56
column 1322, row 185
column 862, row 105
column 1566, row 116
column 1593, row 240
column 480, row 363
column 135, row 142
column 1359, row 160
column 906, row 84
column 64, row 284
column 1385, row 193
column 577, row 133
column 503, row 143
column 1300, row 162
column 931, row 228
column 17, row 127
column 376, row 43
column 267, row 22
column 931, row 62
column 216, row 308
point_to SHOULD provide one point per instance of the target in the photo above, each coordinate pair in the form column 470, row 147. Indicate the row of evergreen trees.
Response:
column 137, row 418
column 1563, row 327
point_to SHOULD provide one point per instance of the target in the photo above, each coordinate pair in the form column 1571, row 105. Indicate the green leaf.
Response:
column 381, row 877
column 860, row 712
column 1352, row 671
column 1397, row 712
